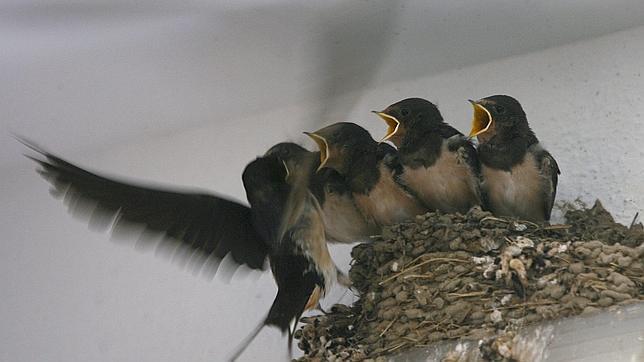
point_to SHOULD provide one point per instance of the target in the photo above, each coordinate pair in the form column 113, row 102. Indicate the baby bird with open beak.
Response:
column 440, row 164
column 519, row 176
column 371, row 170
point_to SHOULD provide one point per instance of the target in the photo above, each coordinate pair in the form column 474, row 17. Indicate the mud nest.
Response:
column 476, row 277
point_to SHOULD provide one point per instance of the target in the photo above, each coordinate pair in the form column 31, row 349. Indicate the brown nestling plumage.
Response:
column 439, row 163
column 371, row 170
column 519, row 175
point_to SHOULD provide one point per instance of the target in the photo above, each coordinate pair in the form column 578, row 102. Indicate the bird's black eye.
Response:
column 419, row 116
column 404, row 112
column 499, row 109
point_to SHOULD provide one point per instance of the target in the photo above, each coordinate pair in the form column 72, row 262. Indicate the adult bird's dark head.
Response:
column 499, row 115
column 294, row 156
column 339, row 143
column 411, row 113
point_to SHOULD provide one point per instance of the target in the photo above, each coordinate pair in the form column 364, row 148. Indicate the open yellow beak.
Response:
column 392, row 125
column 481, row 121
column 322, row 145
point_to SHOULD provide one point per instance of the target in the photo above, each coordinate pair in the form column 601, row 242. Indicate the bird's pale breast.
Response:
column 345, row 224
column 518, row 192
column 388, row 203
column 448, row 185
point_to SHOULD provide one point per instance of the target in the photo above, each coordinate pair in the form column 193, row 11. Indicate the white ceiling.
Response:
column 77, row 75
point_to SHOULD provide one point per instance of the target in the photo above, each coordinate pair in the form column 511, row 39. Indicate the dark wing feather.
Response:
column 446, row 131
column 210, row 225
column 465, row 148
column 550, row 171
column 389, row 155
column 296, row 280
column 467, row 153
column 328, row 182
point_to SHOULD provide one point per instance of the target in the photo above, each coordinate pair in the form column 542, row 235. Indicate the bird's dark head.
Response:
column 409, row 114
column 295, row 157
column 264, row 171
column 497, row 115
column 287, row 150
column 339, row 143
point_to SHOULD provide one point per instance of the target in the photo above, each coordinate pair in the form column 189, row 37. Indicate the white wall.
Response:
column 68, row 294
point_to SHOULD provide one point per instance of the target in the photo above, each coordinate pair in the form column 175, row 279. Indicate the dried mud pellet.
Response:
column 624, row 261
column 413, row 313
column 418, row 250
column 387, row 303
column 388, row 314
column 450, row 284
column 576, row 268
column 515, row 314
column 555, row 291
column 532, row 318
column 477, row 316
column 438, row 303
column 588, row 276
column 391, row 336
column 402, row 296
column 579, row 302
column 605, row 259
column 458, row 311
column 622, row 288
column 398, row 288
column 590, row 310
column 455, row 333
column 583, row 252
column 590, row 294
column 546, row 312
column 456, row 244
column 605, row 302
column 602, row 273
column 593, row 244
column 459, row 269
column 618, row 279
column 615, row 295
column 435, row 336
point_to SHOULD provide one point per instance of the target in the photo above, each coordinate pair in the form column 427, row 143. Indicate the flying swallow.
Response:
column 440, row 164
column 519, row 176
column 371, row 170
column 283, row 224
column 299, row 257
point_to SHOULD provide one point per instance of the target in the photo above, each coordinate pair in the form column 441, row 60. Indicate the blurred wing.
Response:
column 210, row 225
